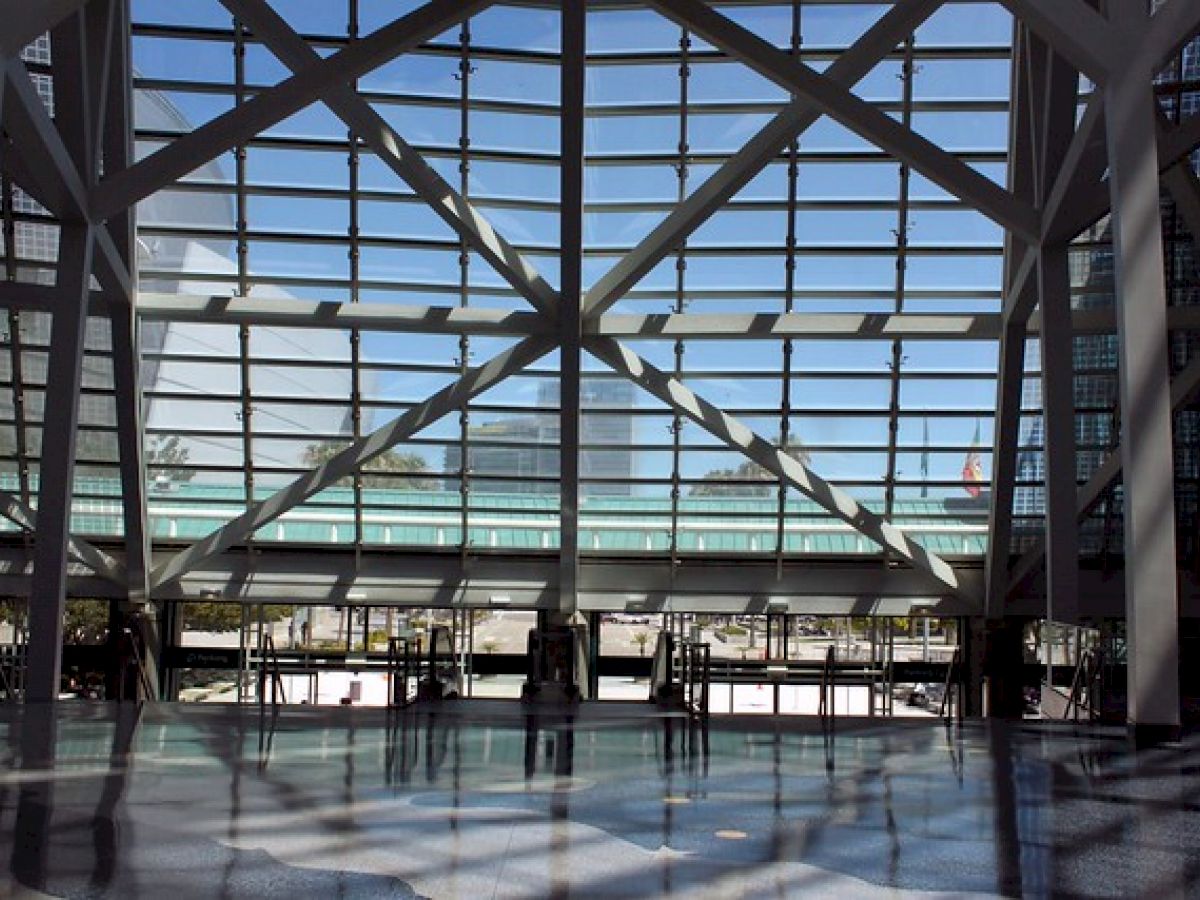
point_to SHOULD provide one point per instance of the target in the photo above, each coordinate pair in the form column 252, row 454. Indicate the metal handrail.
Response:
column 269, row 667
column 400, row 669
column 1082, row 680
column 12, row 660
column 696, row 675
column 139, row 663
column 826, row 705
column 944, row 709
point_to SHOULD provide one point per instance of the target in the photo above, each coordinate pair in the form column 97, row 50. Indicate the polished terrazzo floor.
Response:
column 482, row 799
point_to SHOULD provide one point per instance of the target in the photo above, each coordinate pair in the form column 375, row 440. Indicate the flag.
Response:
column 925, row 460
column 973, row 467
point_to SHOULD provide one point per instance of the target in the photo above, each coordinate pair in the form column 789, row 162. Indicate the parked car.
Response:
column 917, row 695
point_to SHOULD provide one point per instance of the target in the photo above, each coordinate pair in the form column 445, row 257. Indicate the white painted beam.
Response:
column 58, row 184
column 723, row 426
column 295, row 53
column 453, row 396
column 853, row 65
column 192, row 150
column 336, row 314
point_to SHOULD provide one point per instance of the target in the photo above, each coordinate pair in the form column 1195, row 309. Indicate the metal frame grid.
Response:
column 683, row 175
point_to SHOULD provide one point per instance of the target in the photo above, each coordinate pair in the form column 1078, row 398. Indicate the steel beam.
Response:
column 853, row 65
column 1056, row 139
column 832, row 499
column 1011, row 370
column 1173, row 24
column 386, row 317
column 856, row 114
column 57, row 468
column 1151, row 589
column 194, row 149
column 1184, row 187
column 1058, row 417
column 1090, row 201
column 72, row 151
column 770, row 326
column 570, row 335
column 1009, row 383
column 90, row 555
column 1076, row 31
column 25, row 21
column 295, row 53
column 336, row 314
column 55, row 181
column 1083, row 167
column 1180, row 141
column 115, row 131
column 357, row 454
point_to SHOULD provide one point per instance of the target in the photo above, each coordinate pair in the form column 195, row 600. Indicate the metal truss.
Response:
column 1066, row 172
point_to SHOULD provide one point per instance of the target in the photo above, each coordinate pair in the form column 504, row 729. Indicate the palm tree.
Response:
column 641, row 638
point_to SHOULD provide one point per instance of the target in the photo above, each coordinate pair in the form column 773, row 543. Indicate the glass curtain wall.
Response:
column 832, row 225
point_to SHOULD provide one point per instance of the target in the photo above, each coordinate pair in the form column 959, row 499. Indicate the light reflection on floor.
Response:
column 485, row 798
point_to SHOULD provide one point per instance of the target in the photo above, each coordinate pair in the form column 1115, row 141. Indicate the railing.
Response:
column 12, row 670
column 695, row 674
column 1083, row 686
column 268, row 669
column 948, row 708
column 134, row 656
column 403, row 670
column 826, row 704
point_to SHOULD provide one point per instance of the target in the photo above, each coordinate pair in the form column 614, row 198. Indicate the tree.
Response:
column 165, row 458
column 84, row 621
column 380, row 472
column 209, row 616
column 748, row 471
column 641, row 638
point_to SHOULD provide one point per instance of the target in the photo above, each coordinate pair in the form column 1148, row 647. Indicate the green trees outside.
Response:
column 731, row 482
column 380, row 472
column 207, row 616
column 164, row 457
column 84, row 621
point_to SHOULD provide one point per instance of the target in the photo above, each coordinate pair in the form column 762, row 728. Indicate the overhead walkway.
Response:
column 187, row 511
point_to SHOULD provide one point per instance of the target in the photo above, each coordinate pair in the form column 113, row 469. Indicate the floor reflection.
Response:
column 495, row 799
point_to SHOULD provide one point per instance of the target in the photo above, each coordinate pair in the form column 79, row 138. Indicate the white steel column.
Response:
column 116, row 139
column 1058, row 418
column 574, row 19
column 1011, row 371
column 1151, row 586
column 1055, row 114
